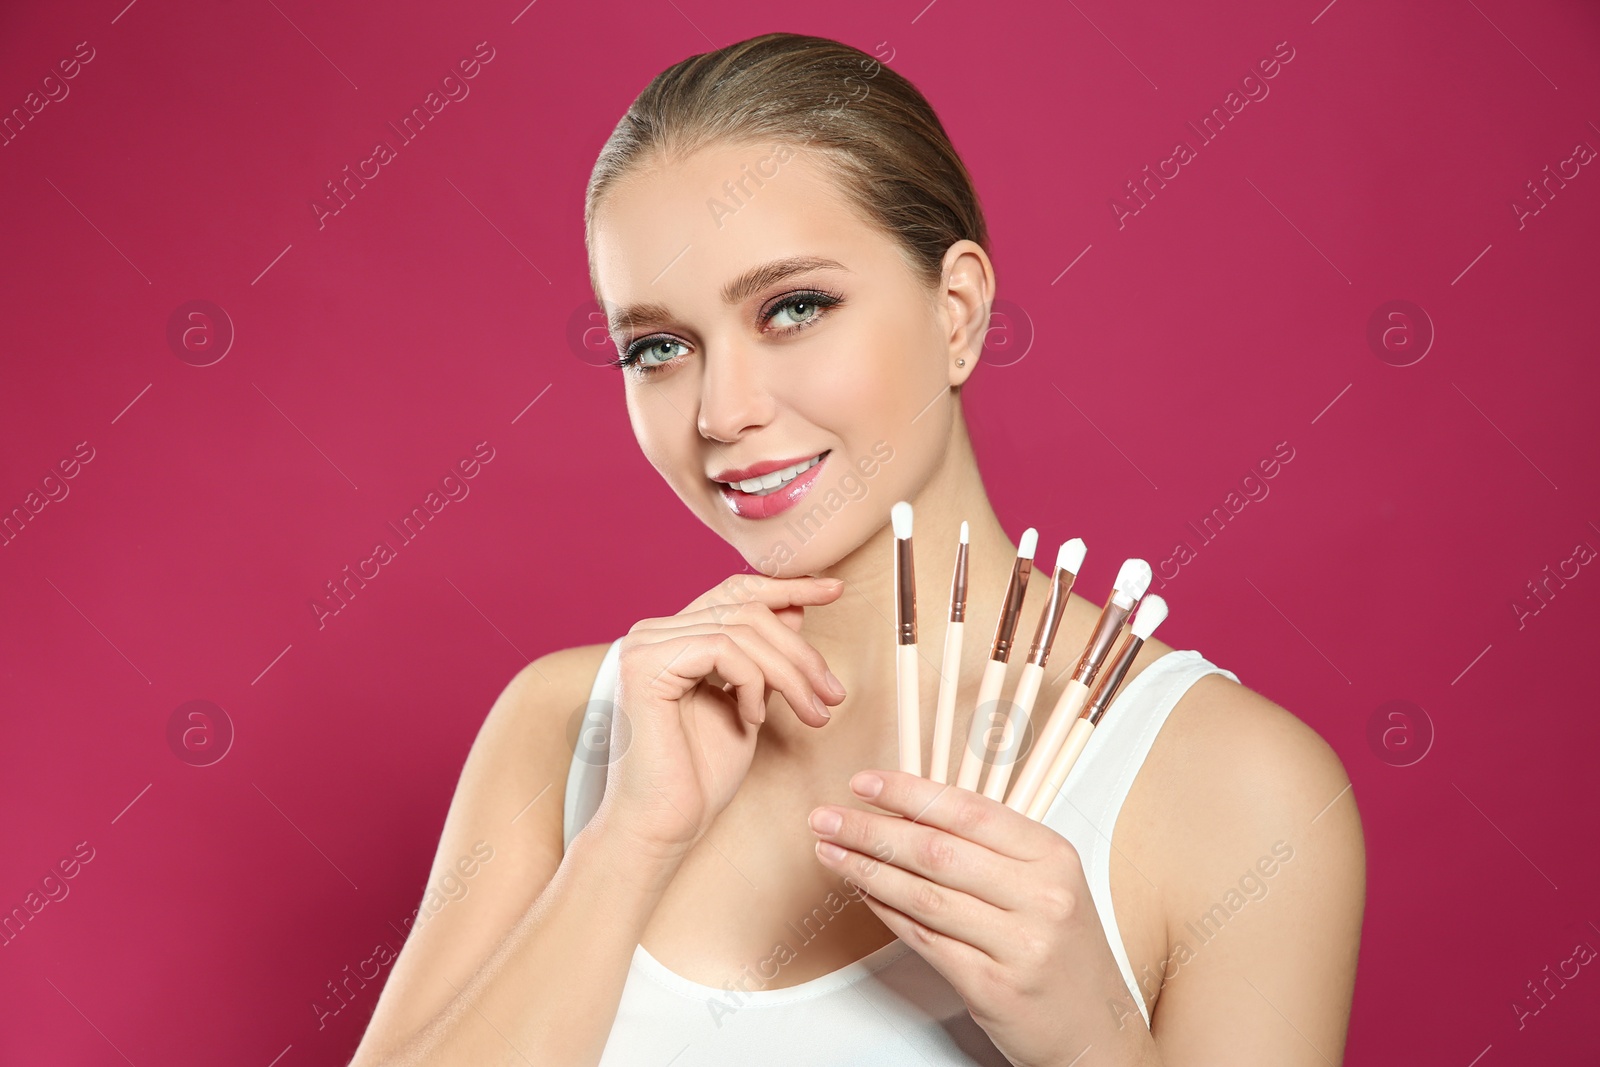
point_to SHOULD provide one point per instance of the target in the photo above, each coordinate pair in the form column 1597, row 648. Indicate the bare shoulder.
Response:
column 1259, row 853
column 499, row 848
column 1233, row 760
column 514, row 776
column 523, row 743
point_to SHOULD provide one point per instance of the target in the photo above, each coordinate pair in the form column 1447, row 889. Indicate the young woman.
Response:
column 792, row 260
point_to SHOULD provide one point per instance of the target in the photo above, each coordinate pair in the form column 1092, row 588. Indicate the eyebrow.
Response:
column 735, row 292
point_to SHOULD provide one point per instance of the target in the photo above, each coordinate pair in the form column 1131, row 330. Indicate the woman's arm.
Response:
column 1263, row 871
column 529, row 964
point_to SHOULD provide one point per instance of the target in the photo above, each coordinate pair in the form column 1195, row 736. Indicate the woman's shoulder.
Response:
column 525, row 735
column 1223, row 722
column 562, row 671
column 549, row 691
column 1220, row 725
column 1237, row 782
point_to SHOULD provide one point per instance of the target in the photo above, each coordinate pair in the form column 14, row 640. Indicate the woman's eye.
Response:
column 645, row 354
column 801, row 310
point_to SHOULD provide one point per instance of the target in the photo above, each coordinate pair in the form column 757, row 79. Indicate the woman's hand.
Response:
column 692, row 691
column 998, row 904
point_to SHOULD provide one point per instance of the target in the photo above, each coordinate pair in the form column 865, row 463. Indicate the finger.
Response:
column 764, row 641
column 682, row 662
column 775, row 593
column 949, row 956
column 787, row 598
column 801, row 652
column 944, row 911
column 764, row 602
column 804, row 687
column 926, row 851
column 778, row 671
column 792, row 616
column 963, row 812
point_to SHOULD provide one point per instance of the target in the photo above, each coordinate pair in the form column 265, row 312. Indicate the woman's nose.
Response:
column 733, row 397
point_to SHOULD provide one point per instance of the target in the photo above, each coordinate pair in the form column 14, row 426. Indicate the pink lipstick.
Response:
column 781, row 499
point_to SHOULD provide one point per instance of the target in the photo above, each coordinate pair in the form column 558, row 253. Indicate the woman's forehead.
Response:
column 693, row 225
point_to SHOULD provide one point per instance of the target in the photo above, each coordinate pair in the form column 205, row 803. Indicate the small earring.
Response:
column 961, row 363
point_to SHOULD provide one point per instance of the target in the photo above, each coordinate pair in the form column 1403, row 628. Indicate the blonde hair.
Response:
column 894, row 161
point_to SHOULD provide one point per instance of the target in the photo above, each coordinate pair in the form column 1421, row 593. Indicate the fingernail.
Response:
column 822, row 709
column 834, row 683
column 866, row 784
column 826, row 821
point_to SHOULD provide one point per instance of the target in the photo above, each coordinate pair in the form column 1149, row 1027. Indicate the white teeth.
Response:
column 769, row 483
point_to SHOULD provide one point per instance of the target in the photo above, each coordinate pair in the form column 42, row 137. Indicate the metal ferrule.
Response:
column 958, row 587
column 1110, row 681
column 1112, row 616
column 905, row 583
column 1050, row 617
column 1011, row 610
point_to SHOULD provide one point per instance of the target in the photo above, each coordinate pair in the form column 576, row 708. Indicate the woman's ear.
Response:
column 967, row 291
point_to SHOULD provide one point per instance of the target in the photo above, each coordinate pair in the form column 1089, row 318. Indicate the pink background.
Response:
column 373, row 353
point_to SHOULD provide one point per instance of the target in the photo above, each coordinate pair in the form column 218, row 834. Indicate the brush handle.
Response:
column 972, row 757
column 994, row 787
column 905, row 674
column 944, row 713
column 1077, row 737
column 1065, row 713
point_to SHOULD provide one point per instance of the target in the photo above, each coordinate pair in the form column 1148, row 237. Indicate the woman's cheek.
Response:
column 862, row 381
column 655, row 425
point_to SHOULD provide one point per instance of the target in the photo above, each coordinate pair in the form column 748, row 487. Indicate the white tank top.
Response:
column 892, row 1007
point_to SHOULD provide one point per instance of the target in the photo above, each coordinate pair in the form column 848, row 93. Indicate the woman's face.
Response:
column 766, row 324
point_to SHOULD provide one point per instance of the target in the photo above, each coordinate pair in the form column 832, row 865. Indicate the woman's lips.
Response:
column 751, row 506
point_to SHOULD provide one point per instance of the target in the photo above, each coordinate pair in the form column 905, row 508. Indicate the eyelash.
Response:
column 824, row 301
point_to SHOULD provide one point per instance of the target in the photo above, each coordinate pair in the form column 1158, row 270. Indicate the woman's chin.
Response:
column 780, row 559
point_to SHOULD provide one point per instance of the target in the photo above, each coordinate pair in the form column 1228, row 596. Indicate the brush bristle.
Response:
column 1070, row 558
column 1030, row 543
column 1151, row 613
column 900, row 516
column 963, row 532
column 1134, row 577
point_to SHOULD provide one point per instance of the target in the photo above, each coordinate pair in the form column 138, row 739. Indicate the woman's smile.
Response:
column 763, row 496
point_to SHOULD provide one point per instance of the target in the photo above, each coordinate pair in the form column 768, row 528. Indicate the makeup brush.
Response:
column 1132, row 580
column 905, row 629
column 994, row 672
column 1069, row 558
column 950, row 670
column 1152, row 611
